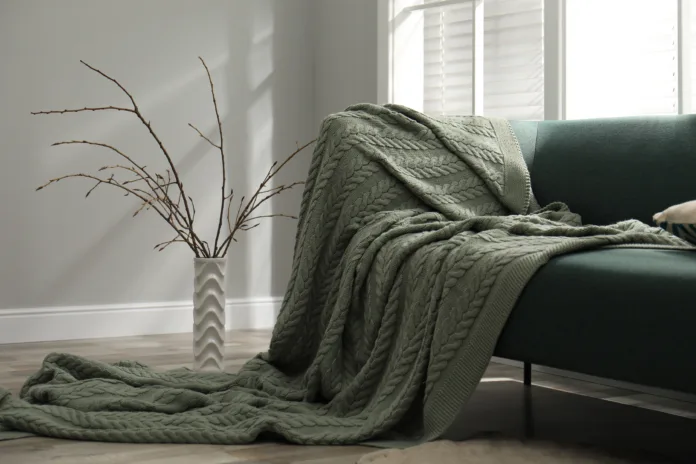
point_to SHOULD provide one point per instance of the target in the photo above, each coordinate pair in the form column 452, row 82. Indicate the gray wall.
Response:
column 58, row 248
column 346, row 55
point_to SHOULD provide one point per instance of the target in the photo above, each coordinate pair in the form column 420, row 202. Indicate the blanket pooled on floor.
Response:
column 415, row 238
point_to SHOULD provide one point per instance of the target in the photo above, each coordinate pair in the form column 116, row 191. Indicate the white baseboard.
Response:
column 125, row 320
column 602, row 381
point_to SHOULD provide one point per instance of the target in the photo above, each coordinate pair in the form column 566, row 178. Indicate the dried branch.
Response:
column 166, row 189
column 253, row 203
column 277, row 192
column 239, row 210
column 79, row 110
column 113, row 182
column 245, row 227
column 154, row 190
column 229, row 207
column 146, row 203
column 193, row 206
column 203, row 136
column 163, row 245
column 138, row 175
column 202, row 244
column 142, row 169
column 272, row 216
column 139, row 171
column 97, row 185
column 144, row 176
column 289, row 158
column 222, row 156
column 147, row 124
column 281, row 187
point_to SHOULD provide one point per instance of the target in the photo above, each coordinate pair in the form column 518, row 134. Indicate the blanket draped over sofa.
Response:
column 415, row 238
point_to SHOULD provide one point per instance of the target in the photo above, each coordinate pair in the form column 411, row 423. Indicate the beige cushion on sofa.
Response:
column 680, row 220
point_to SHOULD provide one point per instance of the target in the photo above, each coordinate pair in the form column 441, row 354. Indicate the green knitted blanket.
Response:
column 416, row 236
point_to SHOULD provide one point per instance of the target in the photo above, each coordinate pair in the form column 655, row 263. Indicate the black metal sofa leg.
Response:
column 527, row 373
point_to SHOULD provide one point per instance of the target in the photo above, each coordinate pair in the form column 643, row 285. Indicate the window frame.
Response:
column 400, row 66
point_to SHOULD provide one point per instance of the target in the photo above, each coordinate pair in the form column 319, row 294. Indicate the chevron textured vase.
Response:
column 209, row 314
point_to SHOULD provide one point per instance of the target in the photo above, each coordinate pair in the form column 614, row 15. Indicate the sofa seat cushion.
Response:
column 625, row 313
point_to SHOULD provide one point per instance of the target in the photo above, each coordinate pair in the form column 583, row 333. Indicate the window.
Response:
column 537, row 59
column 447, row 59
column 513, row 66
column 513, row 59
column 623, row 70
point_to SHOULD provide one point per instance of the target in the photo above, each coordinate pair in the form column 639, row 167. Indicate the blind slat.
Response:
column 513, row 58
column 625, row 74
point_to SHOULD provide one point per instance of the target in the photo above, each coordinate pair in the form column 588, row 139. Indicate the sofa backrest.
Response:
column 609, row 170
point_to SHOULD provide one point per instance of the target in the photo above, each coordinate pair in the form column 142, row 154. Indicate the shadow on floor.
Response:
column 510, row 410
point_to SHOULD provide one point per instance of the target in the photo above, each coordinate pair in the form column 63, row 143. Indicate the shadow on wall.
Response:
column 297, row 98
column 270, row 101
column 92, row 252
column 189, row 98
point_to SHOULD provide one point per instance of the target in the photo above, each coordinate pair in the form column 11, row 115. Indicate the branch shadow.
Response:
column 293, row 111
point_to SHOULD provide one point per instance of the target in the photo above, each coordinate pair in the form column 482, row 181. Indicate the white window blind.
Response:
column 513, row 68
column 614, row 58
column 513, row 55
column 447, row 61
column 621, row 58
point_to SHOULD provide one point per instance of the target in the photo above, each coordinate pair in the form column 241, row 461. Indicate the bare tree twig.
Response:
column 174, row 213
column 292, row 155
column 139, row 171
column 145, row 203
column 156, row 191
column 252, row 204
column 116, row 184
column 163, row 245
column 147, row 124
column 79, row 110
column 92, row 189
column 282, row 187
column 229, row 207
column 272, row 216
column 193, row 206
column 222, row 156
column 239, row 210
column 203, row 136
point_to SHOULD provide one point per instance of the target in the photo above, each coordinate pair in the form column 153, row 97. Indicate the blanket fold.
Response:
column 416, row 236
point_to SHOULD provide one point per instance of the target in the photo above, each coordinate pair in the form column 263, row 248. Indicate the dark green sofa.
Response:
column 623, row 314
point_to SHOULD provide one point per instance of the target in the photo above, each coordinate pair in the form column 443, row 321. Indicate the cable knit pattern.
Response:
column 416, row 236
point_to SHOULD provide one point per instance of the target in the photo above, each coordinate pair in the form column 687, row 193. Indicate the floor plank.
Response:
column 18, row 361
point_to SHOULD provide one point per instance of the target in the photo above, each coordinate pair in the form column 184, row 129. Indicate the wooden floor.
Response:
column 170, row 351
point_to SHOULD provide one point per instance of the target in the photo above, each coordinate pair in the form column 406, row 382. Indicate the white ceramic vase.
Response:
column 209, row 314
